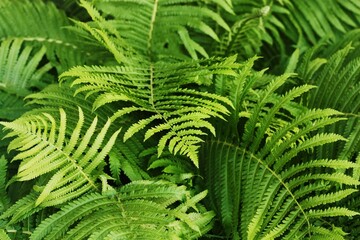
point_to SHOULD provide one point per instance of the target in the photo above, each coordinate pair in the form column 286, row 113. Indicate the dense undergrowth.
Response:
column 179, row 119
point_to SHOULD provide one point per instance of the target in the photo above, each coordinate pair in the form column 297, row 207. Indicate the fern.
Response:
column 11, row 106
column 147, row 207
column 271, row 153
column 338, row 76
column 19, row 69
column 20, row 74
column 164, row 25
column 123, row 157
column 4, row 200
column 159, row 90
column 262, row 191
column 41, row 23
column 45, row 146
column 245, row 37
column 3, row 235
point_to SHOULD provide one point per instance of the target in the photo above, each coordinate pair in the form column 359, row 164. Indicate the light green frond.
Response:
column 3, row 235
column 123, row 156
column 332, row 212
column 139, row 125
column 73, row 165
column 175, row 110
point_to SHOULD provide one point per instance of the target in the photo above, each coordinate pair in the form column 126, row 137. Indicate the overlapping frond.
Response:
column 20, row 73
column 266, row 192
column 123, row 157
column 301, row 24
column 71, row 160
column 338, row 88
column 139, row 210
column 277, row 159
column 246, row 35
column 262, row 186
column 41, row 23
column 309, row 21
column 160, row 27
column 11, row 106
column 172, row 168
column 160, row 92
column 20, row 67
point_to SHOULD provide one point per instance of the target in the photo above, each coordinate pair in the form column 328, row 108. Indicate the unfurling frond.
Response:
column 70, row 159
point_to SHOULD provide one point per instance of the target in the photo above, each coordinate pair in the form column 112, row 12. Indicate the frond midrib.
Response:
column 273, row 173
column 68, row 157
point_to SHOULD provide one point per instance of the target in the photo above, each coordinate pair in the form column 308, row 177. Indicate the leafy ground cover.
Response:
column 179, row 119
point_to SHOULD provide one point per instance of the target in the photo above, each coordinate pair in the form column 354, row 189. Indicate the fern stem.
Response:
column 78, row 167
column 16, row 231
column 151, row 30
column 151, row 100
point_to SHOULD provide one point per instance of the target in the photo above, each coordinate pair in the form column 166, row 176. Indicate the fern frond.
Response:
column 34, row 22
column 245, row 37
column 338, row 88
column 161, row 92
column 123, row 157
column 163, row 23
column 174, row 169
column 4, row 200
column 19, row 67
column 261, row 187
column 45, row 145
column 11, row 106
column 142, row 210
column 268, row 203
column 3, row 235
column 22, row 209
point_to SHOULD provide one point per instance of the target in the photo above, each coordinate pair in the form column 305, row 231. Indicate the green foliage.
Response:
column 179, row 119
column 165, row 25
column 256, row 182
column 41, row 23
column 45, row 146
column 151, row 209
